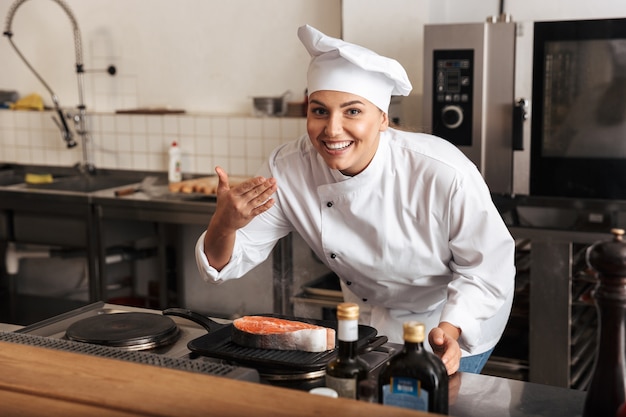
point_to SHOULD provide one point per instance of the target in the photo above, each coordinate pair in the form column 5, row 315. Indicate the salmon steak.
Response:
column 275, row 333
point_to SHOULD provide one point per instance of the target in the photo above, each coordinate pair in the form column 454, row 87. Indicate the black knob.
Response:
column 452, row 116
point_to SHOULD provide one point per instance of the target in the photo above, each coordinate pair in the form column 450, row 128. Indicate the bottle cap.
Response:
column 348, row 311
column 414, row 331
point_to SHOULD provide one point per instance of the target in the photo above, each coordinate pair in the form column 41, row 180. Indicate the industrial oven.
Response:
column 571, row 73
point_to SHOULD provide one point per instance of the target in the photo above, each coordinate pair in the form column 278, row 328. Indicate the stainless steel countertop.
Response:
column 158, row 205
column 6, row 327
column 485, row 396
column 154, row 204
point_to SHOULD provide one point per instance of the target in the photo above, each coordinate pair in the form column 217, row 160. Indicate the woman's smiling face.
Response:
column 344, row 129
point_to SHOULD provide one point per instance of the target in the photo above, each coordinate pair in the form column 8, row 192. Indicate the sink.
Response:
column 87, row 183
column 10, row 177
column 69, row 179
column 82, row 184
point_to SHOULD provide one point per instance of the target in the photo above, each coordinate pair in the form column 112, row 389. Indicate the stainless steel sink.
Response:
column 86, row 183
column 10, row 177
column 67, row 178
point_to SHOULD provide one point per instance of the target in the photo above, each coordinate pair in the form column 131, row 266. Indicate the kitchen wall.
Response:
column 199, row 55
column 138, row 142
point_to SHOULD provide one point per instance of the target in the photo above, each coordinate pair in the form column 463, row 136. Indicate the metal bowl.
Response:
column 270, row 106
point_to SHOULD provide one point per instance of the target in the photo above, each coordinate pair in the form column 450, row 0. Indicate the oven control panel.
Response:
column 453, row 95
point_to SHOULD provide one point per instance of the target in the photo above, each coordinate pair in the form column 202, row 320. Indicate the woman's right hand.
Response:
column 235, row 208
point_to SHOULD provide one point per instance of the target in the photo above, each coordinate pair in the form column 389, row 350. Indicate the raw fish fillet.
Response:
column 274, row 333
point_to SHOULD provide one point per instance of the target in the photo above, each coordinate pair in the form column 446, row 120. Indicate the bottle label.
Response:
column 345, row 387
column 406, row 393
column 348, row 330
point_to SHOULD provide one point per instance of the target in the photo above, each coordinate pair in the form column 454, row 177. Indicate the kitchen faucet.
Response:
column 87, row 165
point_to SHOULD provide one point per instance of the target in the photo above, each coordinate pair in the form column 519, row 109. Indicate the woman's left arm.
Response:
column 482, row 265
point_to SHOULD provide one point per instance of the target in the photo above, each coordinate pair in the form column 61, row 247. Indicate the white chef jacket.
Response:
column 415, row 236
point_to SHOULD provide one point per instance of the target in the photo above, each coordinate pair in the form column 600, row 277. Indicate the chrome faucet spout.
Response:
column 60, row 120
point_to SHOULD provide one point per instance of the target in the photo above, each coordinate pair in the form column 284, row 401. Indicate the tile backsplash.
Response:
column 239, row 144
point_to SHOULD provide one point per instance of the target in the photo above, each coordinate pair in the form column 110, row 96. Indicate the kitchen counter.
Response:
column 70, row 187
column 77, row 211
column 6, row 327
column 38, row 381
column 486, row 396
column 155, row 204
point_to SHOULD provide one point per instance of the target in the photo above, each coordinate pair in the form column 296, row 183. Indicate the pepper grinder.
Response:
column 607, row 391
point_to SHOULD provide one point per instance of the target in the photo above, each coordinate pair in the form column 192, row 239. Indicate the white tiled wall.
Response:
column 141, row 142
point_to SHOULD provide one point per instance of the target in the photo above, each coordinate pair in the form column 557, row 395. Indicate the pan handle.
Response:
column 373, row 344
column 203, row 321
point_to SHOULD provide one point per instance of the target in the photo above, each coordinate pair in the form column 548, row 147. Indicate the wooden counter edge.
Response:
column 35, row 379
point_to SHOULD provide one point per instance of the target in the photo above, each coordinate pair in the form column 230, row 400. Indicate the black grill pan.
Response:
column 218, row 344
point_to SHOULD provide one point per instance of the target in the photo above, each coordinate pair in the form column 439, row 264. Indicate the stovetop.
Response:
column 55, row 327
column 50, row 333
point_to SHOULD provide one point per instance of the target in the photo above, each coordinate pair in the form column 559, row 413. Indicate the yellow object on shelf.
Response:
column 38, row 178
column 30, row 102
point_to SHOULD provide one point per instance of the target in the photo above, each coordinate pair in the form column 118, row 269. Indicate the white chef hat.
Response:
column 341, row 66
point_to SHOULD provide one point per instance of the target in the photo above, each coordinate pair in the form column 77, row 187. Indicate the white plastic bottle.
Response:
column 175, row 174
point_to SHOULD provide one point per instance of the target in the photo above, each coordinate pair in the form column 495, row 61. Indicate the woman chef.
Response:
column 404, row 219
